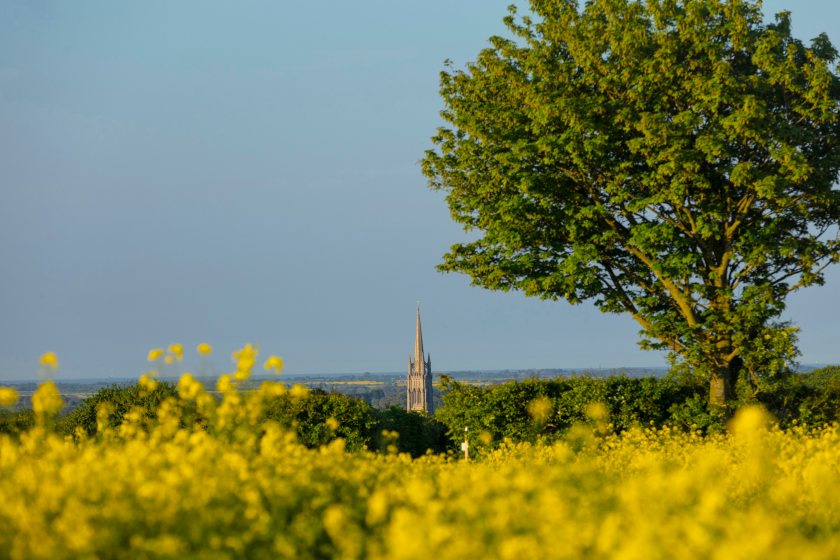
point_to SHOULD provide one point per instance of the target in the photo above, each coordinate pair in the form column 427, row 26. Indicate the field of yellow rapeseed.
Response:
column 230, row 486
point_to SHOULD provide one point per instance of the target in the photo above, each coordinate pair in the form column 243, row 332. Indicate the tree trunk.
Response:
column 720, row 390
column 722, row 383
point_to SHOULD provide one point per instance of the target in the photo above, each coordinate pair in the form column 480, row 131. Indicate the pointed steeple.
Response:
column 418, row 341
column 419, row 394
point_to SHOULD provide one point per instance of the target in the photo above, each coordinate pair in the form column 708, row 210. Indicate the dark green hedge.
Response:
column 359, row 424
column 308, row 418
column 809, row 398
column 418, row 433
column 492, row 414
column 502, row 411
column 122, row 400
column 13, row 422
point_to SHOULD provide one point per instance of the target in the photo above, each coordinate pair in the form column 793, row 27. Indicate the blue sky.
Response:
column 238, row 172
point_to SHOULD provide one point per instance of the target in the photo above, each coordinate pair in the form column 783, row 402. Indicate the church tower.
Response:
column 418, row 385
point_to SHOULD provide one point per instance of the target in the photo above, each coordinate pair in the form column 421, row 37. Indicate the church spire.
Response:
column 418, row 340
column 418, row 384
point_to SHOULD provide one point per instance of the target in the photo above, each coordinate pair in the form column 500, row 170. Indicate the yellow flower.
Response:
column 223, row 385
column 540, row 409
column 204, row 349
column 47, row 400
column 177, row 350
column 332, row 423
column 168, row 360
column 188, row 387
column 8, row 396
column 275, row 364
column 299, row 392
column 147, row 383
column 104, row 410
column 244, row 360
column 49, row 360
column 155, row 354
column 272, row 389
column 597, row 411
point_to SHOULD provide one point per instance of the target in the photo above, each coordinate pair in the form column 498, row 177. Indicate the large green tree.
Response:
column 670, row 159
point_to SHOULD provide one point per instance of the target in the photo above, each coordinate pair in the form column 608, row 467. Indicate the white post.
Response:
column 465, row 447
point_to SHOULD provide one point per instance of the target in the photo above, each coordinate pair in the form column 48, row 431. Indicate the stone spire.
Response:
column 418, row 386
column 418, row 342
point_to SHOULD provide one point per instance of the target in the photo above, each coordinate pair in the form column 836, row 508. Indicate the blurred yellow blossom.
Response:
column 244, row 360
column 177, row 351
column 540, row 409
column 8, row 396
column 188, row 387
column 155, row 354
column 104, row 410
column 218, row 480
column 47, row 401
column 299, row 392
column 274, row 363
column 49, row 360
column 272, row 389
column 215, row 478
column 597, row 411
column 147, row 383
column 204, row 349
column 245, row 357
column 750, row 422
column 223, row 385
column 168, row 360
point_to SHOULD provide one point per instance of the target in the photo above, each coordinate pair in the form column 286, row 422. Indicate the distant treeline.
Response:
column 317, row 419
column 527, row 410
column 539, row 409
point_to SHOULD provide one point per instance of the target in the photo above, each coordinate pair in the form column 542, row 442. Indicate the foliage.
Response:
column 317, row 418
column 417, row 433
column 119, row 400
column 823, row 401
column 322, row 417
column 694, row 414
column 673, row 160
column 530, row 411
column 14, row 422
column 811, row 398
column 543, row 410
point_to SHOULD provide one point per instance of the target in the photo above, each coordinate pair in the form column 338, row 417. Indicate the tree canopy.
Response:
column 670, row 159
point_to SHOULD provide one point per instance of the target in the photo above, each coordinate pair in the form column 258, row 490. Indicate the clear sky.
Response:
column 237, row 172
